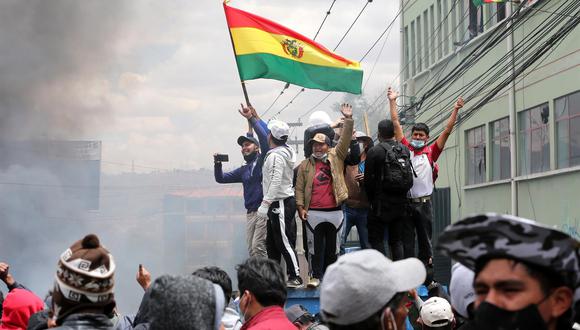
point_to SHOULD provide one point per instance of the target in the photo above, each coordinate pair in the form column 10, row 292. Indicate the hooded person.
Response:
column 17, row 308
column 527, row 276
column 183, row 302
column 461, row 291
column 83, row 290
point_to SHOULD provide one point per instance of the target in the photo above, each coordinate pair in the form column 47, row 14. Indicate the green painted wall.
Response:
column 555, row 199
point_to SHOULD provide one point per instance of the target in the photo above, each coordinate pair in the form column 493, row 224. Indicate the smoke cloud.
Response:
column 53, row 54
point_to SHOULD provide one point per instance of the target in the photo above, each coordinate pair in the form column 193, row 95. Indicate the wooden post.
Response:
column 366, row 122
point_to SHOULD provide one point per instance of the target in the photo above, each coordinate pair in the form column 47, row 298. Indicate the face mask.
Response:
column 417, row 144
column 250, row 157
column 489, row 316
column 321, row 157
column 242, row 312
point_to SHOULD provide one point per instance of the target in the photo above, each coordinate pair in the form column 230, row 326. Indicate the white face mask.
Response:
column 243, row 317
column 320, row 155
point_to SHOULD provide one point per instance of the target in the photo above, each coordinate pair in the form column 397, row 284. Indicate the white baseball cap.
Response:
column 436, row 312
column 278, row 129
column 461, row 288
column 360, row 283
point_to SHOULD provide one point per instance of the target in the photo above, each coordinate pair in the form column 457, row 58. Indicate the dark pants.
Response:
column 281, row 235
column 325, row 235
column 420, row 222
column 355, row 217
column 389, row 216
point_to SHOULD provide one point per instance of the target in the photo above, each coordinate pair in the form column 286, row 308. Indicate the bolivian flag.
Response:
column 481, row 2
column 265, row 49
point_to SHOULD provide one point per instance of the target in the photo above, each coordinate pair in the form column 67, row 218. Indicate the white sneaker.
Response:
column 313, row 282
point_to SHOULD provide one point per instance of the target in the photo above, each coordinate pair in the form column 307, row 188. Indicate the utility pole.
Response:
column 512, row 114
column 296, row 141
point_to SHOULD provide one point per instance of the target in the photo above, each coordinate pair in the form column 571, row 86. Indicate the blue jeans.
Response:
column 355, row 217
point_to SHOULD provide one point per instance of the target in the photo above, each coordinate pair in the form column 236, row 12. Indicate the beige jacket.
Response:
column 336, row 158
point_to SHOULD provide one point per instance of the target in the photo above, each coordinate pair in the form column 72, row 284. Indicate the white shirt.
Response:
column 423, row 183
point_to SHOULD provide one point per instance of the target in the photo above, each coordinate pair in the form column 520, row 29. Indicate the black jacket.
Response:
column 86, row 322
column 373, row 166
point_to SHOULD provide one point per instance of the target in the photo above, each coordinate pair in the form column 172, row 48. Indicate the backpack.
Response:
column 397, row 172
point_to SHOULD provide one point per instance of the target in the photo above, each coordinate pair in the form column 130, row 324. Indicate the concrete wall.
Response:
column 549, row 197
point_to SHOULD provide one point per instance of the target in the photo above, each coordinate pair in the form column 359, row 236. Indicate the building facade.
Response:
column 449, row 40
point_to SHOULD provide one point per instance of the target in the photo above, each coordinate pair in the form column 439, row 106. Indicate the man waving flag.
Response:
column 265, row 49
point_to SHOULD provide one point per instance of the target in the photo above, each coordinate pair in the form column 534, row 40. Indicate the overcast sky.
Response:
column 156, row 81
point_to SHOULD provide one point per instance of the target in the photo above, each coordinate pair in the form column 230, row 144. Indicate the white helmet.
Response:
column 319, row 117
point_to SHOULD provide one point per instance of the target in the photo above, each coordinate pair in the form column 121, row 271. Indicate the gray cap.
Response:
column 295, row 312
column 360, row 283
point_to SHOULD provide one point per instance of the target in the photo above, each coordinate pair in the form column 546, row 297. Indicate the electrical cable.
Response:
column 315, row 36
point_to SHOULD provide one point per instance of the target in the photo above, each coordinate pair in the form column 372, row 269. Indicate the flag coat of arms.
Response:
column 265, row 49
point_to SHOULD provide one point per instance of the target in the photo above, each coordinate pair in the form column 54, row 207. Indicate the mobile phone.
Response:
column 221, row 158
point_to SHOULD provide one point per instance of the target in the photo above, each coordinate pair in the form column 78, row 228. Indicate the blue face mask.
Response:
column 417, row 144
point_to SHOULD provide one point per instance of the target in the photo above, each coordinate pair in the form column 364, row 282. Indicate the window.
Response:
column 534, row 140
column 489, row 15
column 426, row 38
column 406, row 53
column 445, row 23
column 568, row 129
column 500, row 149
column 476, row 155
column 419, row 48
column 432, row 34
column 453, row 14
column 463, row 25
column 439, row 34
column 412, row 50
column 475, row 20
column 501, row 11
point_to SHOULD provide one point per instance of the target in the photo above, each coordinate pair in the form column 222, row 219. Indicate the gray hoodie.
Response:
column 277, row 174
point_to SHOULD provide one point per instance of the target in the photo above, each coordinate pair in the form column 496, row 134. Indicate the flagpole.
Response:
column 236, row 59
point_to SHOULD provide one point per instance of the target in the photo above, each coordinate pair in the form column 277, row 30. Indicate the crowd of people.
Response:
column 510, row 272
column 344, row 180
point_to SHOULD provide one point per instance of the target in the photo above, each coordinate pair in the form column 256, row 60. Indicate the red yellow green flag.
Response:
column 265, row 49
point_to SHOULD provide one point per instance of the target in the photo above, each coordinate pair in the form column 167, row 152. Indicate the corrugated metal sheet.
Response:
column 441, row 219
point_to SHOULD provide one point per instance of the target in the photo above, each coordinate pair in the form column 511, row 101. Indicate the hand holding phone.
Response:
column 221, row 158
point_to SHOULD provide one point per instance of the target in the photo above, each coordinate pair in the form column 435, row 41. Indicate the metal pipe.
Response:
column 512, row 116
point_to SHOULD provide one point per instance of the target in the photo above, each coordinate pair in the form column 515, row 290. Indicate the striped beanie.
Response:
column 84, row 279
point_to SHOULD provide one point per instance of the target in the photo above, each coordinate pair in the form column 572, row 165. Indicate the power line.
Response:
column 386, row 30
column 353, row 23
column 315, row 36
column 288, row 104
column 324, row 20
column 341, row 39
column 524, row 62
